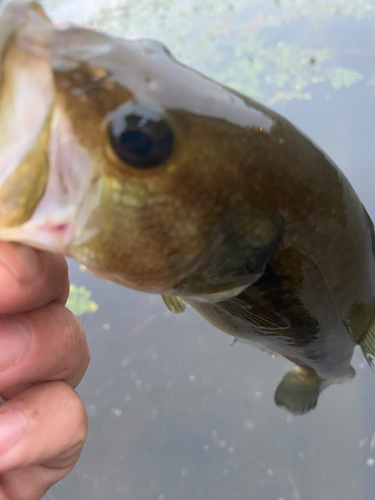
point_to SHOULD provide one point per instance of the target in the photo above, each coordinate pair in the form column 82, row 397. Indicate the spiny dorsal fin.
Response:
column 174, row 304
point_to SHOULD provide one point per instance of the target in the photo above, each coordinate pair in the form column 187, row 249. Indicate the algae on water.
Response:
column 246, row 44
column 80, row 302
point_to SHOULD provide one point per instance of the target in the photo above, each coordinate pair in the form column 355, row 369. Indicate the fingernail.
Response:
column 22, row 261
column 12, row 425
column 15, row 338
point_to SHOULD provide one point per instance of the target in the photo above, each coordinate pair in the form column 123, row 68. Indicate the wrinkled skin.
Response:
column 43, row 356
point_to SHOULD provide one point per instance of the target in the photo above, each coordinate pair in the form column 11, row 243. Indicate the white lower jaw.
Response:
column 48, row 235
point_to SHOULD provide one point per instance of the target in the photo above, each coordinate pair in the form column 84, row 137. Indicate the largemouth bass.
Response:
column 158, row 178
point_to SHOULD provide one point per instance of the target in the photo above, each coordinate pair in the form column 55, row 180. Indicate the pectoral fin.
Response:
column 255, row 313
column 174, row 304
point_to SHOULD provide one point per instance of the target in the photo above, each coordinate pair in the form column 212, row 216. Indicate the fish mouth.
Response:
column 70, row 194
column 45, row 174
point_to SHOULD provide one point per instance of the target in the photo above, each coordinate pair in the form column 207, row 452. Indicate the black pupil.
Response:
column 140, row 137
column 136, row 142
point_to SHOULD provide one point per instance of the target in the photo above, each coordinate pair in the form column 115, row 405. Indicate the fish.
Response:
column 160, row 179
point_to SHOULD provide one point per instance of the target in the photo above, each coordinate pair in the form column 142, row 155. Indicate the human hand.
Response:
column 43, row 356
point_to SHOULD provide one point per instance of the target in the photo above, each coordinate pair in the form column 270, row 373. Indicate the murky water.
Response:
column 175, row 411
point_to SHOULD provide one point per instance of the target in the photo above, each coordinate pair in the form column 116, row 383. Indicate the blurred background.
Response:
column 175, row 411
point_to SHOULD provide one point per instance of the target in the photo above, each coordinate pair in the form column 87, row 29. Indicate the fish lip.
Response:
column 57, row 233
column 32, row 27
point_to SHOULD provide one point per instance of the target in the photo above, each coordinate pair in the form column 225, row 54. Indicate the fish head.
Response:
column 115, row 154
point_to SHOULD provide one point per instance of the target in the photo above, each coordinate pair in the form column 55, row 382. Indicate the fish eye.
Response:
column 140, row 137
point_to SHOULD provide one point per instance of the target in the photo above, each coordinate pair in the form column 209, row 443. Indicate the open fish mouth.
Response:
column 44, row 171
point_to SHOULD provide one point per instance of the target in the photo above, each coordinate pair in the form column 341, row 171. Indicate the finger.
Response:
column 44, row 428
column 30, row 278
column 41, row 345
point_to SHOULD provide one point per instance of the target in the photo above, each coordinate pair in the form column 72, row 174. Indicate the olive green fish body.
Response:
column 161, row 179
